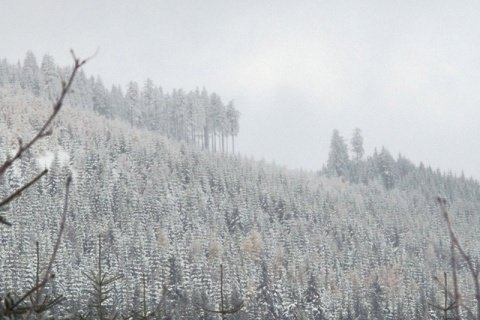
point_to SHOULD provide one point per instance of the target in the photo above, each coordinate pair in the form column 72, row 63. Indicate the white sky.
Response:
column 406, row 72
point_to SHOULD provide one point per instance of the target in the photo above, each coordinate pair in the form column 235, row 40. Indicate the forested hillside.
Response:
column 361, row 239
column 196, row 117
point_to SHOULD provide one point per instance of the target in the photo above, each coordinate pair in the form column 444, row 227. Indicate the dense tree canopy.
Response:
column 294, row 245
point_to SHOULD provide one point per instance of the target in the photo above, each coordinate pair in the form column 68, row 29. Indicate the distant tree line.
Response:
column 196, row 117
column 350, row 163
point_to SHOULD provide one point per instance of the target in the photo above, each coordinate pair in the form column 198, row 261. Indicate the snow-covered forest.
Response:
column 156, row 176
column 196, row 117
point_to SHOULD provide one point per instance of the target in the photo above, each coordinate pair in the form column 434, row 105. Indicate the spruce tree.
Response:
column 338, row 163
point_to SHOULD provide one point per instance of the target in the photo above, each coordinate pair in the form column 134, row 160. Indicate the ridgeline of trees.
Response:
column 381, row 166
column 196, row 117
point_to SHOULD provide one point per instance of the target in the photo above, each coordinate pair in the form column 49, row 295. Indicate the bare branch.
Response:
column 456, row 244
column 17, row 194
column 5, row 222
column 56, row 247
column 45, row 131
column 23, row 188
column 31, row 291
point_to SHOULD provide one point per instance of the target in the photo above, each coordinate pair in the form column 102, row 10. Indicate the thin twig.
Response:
column 23, row 188
column 32, row 290
column 456, row 244
column 38, row 262
column 55, row 248
column 17, row 194
column 44, row 131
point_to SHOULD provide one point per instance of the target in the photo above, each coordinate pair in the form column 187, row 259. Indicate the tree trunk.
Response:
column 205, row 138
column 223, row 142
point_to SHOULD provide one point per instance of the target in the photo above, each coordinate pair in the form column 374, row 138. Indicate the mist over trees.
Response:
column 361, row 239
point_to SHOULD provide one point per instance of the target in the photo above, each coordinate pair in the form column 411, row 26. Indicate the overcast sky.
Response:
column 406, row 72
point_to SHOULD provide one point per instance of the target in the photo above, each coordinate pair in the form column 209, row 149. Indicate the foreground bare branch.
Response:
column 23, row 188
column 45, row 130
column 48, row 274
column 42, row 133
column 455, row 244
column 36, row 305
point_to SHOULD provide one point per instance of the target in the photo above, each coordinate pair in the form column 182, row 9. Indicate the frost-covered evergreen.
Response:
column 338, row 163
column 294, row 244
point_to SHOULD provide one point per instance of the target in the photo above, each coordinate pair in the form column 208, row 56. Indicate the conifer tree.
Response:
column 101, row 294
column 338, row 163
column 386, row 168
column 132, row 102
column 223, row 311
column 357, row 144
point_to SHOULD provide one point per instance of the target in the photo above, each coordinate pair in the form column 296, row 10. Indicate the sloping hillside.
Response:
column 293, row 244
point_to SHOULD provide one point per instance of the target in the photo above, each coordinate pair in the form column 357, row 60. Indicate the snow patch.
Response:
column 63, row 157
column 46, row 160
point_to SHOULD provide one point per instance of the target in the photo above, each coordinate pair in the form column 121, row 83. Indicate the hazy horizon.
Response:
column 403, row 72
